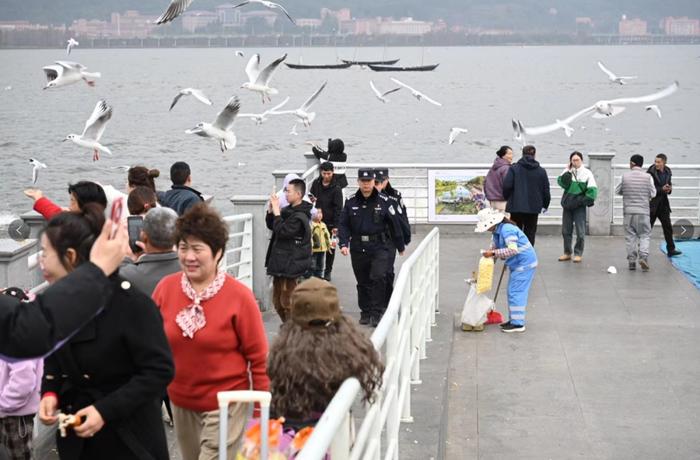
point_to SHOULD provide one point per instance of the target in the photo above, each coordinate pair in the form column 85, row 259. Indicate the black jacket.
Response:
column 33, row 329
column 289, row 252
column 526, row 187
column 120, row 362
column 334, row 154
column 660, row 202
column 180, row 198
column 329, row 200
column 397, row 201
column 373, row 218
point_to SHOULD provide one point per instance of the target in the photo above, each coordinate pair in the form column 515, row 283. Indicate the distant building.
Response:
column 680, row 26
column 342, row 14
column 229, row 16
column 362, row 26
column 311, row 23
column 132, row 24
column 26, row 25
column 91, row 28
column 269, row 16
column 633, row 27
column 198, row 19
column 405, row 26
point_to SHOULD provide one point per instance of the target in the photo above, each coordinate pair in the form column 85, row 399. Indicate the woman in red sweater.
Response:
column 216, row 333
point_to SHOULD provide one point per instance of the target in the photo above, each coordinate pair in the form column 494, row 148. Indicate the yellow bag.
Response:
column 484, row 281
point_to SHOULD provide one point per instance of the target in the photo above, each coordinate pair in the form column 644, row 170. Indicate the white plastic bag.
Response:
column 475, row 307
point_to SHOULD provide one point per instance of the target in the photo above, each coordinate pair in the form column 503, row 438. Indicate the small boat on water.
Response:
column 389, row 62
column 344, row 65
column 392, row 68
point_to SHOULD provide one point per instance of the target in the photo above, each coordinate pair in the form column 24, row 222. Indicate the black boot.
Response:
column 365, row 318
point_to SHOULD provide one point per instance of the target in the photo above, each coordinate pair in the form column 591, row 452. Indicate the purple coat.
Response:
column 20, row 384
column 493, row 187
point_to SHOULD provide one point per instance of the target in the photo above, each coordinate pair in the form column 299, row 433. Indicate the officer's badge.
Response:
column 399, row 209
column 391, row 210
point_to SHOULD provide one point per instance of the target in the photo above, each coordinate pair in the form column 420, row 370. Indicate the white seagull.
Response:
column 294, row 132
column 70, row 44
column 175, row 9
column 302, row 113
column 259, row 81
column 220, row 129
column 94, row 128
column 655, row 108
column 267, row 4
column 612, row 77
column 415, row 93
column 197, row 93
column 260, row 118
column 601, row 109
column 35, row 171
column 66, row 73
column 518, row 131
column 454, row 132
column 380, row 95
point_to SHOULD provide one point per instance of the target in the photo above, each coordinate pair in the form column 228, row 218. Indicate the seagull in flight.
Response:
column 268, row 4
column 64, row 73
column 197, row 93
column 415, row 93
column 35, row 171
column 302, row 113
column 380, row 95
column 239, row 53
column 71, row 43
column 220, row 129
column 175, row 9
column 612, row 77
column 259, row 81
column 294, row 132
column 94, row 128
column 601, row 109
column 260, row 118
column 655, row 108
column 454, row 132
column 518, row 131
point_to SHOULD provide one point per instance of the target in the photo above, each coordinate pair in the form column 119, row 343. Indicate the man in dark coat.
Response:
column 181, row 196
column 659, row 206
column 329, row 199
column 336, row 155
column 289, row 252
column 526, row 187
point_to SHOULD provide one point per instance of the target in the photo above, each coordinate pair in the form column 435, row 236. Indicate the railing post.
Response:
column 406, row 366
column 601, row 214
column 340, row 447
column 35, row 221
column 256, row 205
column 310, row 159
column 246, row 272
column 13, row 263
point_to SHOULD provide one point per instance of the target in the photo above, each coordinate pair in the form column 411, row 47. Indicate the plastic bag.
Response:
column 475, row 308
column 484, row 281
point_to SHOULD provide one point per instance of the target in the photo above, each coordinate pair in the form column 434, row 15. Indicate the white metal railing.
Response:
column 404, row 330
column 238, row 258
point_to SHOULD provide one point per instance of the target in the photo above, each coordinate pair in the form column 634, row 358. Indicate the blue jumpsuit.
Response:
column 521, row 259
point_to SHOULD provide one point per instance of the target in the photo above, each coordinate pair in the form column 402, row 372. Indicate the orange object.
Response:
column 253, row 435
column 301, row 437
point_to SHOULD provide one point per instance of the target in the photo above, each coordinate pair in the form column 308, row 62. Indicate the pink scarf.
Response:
column 191, row 318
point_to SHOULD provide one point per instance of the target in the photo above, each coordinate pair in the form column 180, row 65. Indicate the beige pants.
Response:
column 198, row 432
column 501, row 206
column 282, row 289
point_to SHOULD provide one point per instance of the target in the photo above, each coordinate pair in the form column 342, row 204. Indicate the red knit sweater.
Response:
column 46, row 208
column 217, row 358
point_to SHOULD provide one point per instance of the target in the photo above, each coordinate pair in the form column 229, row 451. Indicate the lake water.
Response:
column 481, row 89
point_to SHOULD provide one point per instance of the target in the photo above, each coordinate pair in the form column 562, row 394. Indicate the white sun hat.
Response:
column 488, row 218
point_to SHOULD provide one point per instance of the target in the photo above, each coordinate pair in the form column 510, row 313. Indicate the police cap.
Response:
column 381, row 174
column 365, row 174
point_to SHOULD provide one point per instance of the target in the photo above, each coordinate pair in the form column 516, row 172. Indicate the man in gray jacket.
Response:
column 637, row 189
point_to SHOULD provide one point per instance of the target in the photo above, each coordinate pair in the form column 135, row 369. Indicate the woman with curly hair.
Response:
column 315, row 352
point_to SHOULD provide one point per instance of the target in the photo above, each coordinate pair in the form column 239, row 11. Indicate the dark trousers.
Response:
column 571, row 218
column 330, row 257
column 527, row 223
column 664, row 216
column 370, row 272
column 317, row 259
column 16, row 437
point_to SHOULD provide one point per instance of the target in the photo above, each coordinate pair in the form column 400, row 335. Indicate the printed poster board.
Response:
column 456, row 195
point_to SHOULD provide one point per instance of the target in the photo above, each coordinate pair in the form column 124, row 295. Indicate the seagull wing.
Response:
column 199, row 95
column 177, row 98
column 267, row 72
column 175, row 9
column 97, row 122
column 432, row 101
column 306, row 105
column 53, row 72
column 655, row 109
column 273, row 111
column 390, row 91
column 402, row 84
column 241, row 4
column 537, row 130
column 453, row 135
column 35, row 173
column 279, row 7
column 68, row 47
column 71, row 66
column 224, row 120
column 670, row 89
column 253, row 67
column 607, row 71
column 374, row 88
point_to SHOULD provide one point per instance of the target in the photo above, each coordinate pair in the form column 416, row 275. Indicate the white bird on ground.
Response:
column 601, row 109
column 35, row 171
column 612, row 77
column 239, row 53
column 94, row 128
column 380, row 95
column 175, row 9
column 66, row 73
column 655, row 108
column 415, row 93
column 260, row 118
column 197, row 93
column 294, row 132
column 71, row 43
column 454, row 132
column 267, row 4
column 302, row 113
column 259, row 81
column 220, row 129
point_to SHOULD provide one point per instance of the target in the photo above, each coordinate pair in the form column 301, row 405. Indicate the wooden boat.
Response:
column 319, row 66
column 389, row 62
column 391, row 68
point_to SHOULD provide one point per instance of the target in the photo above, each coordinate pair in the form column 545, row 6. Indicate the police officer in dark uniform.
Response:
column 381, row 183
column 367, row 225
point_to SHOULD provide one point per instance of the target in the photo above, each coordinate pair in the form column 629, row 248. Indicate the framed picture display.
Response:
column 456, row 195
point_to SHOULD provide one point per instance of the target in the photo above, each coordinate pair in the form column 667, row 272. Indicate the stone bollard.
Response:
column 14, row 268
column 600, row 217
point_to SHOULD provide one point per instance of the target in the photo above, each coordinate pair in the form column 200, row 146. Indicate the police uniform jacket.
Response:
column 366, row 224
column 397, row 202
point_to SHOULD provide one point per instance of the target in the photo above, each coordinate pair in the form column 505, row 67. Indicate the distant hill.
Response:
column 525, row 15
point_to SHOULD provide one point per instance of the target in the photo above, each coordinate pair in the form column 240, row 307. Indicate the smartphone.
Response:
column 116, row 215
column 134, row 224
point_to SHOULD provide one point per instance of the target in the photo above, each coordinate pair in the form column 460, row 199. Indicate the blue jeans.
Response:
column 573, row 218
column 318, row 262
